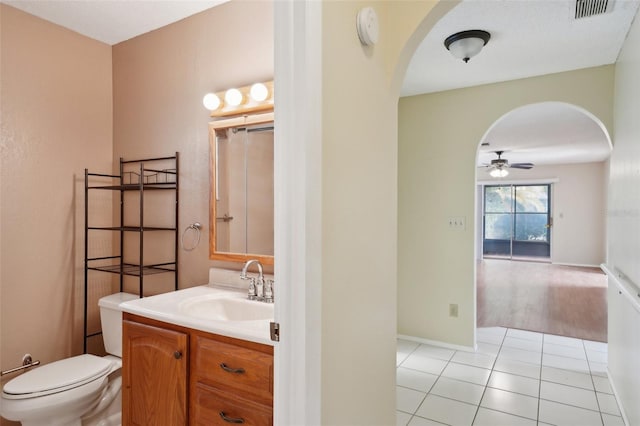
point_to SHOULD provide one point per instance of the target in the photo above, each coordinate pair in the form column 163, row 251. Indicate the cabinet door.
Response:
column 154, row 375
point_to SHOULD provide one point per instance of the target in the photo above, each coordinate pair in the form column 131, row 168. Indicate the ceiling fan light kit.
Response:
column 466, row 44
column 499, row 173
column 498, row 167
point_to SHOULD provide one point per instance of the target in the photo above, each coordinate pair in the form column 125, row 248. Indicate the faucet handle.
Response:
column 252, row 288
column 268, row 291
column 260, row 288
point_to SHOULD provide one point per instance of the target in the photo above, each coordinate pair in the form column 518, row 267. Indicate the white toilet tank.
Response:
column 111, row 320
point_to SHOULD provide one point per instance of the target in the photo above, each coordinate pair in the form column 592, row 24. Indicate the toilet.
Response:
column 82, row 390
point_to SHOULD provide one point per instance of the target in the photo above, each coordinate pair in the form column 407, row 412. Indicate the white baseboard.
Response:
column 615, row 393
column 580, row 265
column 437, row 343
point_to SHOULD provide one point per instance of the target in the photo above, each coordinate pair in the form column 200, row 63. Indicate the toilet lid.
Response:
column 58, row 376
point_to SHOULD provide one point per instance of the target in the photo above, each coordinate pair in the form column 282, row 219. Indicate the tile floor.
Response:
column 515, row 378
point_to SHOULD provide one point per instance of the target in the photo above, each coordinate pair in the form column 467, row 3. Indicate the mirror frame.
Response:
column 214, row 126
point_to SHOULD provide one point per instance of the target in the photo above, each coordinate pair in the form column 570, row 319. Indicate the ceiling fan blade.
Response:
column 526, row 166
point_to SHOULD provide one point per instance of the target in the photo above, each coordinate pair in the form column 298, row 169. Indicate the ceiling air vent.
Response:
column 585, row 8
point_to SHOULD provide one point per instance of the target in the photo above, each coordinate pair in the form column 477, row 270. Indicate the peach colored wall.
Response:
column 56, row 116
column 159, row 80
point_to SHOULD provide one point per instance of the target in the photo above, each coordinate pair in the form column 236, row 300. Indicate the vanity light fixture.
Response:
column 242, row 100
column 466, row 44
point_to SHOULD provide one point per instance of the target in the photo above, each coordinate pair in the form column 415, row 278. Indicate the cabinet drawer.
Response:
column 211, row 407
column 235, row 368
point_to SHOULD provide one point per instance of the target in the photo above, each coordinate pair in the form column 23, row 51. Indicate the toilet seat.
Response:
column 57, row 377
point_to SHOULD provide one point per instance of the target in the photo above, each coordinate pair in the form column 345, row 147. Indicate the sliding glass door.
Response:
column 517, row 221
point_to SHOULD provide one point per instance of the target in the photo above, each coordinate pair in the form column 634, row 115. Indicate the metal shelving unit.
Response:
column 143, row 179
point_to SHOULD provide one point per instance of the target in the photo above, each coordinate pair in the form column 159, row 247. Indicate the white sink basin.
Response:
column 226, row 309
column 211, row 309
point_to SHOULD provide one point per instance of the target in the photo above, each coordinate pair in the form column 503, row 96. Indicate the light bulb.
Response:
column 211, row 101
column 233, row 97
column 499, row 173
column 259, row 92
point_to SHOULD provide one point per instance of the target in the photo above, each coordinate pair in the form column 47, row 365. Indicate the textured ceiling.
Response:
column 546, row 133
column 528, row 38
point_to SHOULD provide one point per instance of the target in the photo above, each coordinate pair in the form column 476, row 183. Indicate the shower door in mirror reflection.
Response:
column 242, row 192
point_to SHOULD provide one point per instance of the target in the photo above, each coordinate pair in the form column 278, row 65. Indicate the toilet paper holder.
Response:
column 27, row 362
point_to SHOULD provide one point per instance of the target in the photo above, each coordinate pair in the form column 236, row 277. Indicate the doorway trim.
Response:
column 297, row 168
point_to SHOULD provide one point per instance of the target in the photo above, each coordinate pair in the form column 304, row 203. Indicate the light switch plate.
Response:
column 457, row 223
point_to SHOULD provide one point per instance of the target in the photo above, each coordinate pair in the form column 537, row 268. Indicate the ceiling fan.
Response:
column 499, row 166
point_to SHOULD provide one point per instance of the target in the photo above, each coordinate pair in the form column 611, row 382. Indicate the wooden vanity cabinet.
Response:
column 154, row 375
column 174, row 376
column 231, row 381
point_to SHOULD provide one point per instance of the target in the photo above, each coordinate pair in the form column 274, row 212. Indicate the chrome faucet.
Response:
column 256, row 287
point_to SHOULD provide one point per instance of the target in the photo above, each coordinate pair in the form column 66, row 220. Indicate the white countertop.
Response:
column 166, row 307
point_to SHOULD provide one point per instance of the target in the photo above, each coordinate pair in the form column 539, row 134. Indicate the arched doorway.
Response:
column 549, row 212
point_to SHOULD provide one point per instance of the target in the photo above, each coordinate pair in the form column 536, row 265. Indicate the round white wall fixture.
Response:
column 259, row 92
column 233, row 97
column 367, row 25
column 211, row 101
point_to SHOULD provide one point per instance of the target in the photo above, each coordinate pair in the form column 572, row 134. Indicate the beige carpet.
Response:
column 563, row 300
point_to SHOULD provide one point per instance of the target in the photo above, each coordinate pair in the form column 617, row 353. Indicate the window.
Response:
column 517, row 221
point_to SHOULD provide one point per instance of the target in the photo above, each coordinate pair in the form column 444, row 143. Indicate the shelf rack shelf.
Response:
column 143, row 179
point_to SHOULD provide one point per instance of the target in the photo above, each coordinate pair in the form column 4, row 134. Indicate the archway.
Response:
column 550, row 212
column 439, row 153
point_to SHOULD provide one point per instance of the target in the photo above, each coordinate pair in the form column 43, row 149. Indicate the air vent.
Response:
column 585, row 8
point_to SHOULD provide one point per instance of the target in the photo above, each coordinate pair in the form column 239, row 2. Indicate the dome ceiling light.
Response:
column 466, row 44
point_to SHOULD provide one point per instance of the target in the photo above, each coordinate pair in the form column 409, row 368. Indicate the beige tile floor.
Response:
column 515, row 378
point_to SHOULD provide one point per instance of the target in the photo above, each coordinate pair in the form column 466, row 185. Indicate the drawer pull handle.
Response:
column 237, row 420
column 231, row 370
column 177, row 354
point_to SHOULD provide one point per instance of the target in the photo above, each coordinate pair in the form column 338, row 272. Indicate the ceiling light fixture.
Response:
column 466, row 44
column 499, row 173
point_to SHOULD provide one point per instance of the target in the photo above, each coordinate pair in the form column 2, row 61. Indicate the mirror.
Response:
column 241, row 190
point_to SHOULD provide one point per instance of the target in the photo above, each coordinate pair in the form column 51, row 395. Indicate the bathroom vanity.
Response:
column 188, row 362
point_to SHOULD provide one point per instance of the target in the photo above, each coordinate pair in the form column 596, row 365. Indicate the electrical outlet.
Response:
column 453, row 310
column 457, row 223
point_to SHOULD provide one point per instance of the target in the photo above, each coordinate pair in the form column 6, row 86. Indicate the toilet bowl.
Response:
column 81, row 390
